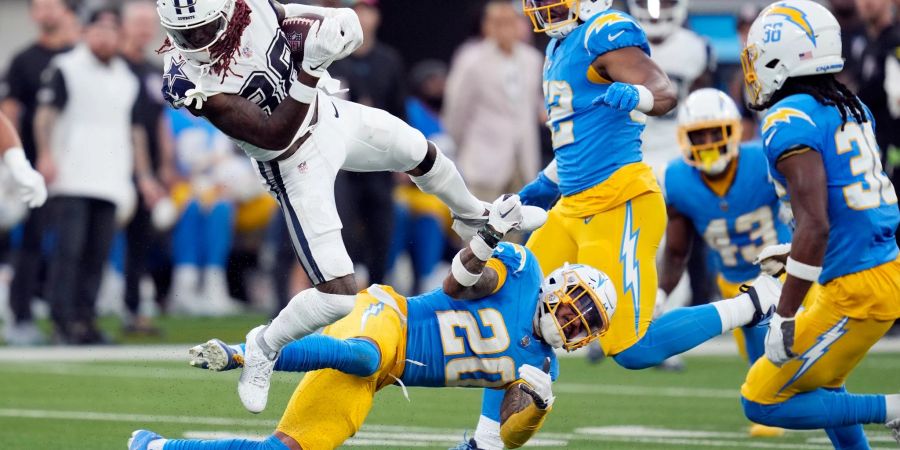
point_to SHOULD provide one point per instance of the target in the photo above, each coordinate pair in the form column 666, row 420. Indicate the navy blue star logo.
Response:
column 176, row 83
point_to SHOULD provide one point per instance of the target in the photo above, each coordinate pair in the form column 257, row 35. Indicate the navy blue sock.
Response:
column 674, row 333
column 820, row 408
column 317, row 351
column 271, row 443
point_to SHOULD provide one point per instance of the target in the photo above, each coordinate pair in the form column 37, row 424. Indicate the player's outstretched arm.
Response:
column 351, row 29
column 470, row 274
column 525, row 405
column 642, row 85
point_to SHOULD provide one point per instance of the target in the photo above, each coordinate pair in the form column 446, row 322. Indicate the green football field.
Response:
column 95, row 405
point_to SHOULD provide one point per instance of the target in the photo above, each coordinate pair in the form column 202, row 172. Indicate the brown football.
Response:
column 296, row 29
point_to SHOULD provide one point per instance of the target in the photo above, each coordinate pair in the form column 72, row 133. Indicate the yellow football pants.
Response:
column 328, row 407
column 831, row 336
column 622, row 242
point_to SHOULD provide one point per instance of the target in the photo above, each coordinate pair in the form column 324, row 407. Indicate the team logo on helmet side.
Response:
column 794, row 16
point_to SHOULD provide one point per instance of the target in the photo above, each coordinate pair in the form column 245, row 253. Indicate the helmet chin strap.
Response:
column 549, row 333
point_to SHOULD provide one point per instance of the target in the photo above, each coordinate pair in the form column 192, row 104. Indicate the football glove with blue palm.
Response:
column 620, row 96
column 541, row 192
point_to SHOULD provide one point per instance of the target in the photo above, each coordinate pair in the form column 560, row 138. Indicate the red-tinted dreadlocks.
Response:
column 223, row 51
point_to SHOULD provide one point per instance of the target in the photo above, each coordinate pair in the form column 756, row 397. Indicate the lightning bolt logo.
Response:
column 602, row 22
column 373, row 310
column 784, row 115
column 631, row 274
column 796, row 17
column 817, row 351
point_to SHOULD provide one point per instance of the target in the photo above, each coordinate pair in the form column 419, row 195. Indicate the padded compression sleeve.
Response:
column 317, row 351
column 519, row 427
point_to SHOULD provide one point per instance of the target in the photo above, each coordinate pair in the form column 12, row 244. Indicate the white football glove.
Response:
column 770, row 258
column 780, row 340
column 537, row 384
column 32, row 189
column 322, row 46
column 506, row 213
column 351, row 29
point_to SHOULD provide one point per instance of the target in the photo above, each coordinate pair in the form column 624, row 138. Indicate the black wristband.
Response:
column 490, row 235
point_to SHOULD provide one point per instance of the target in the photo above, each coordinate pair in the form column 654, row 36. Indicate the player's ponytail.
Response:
column 826, row 89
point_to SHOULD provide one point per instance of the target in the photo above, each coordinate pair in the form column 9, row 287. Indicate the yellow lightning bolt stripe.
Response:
column 784, row 115
column 796, row 17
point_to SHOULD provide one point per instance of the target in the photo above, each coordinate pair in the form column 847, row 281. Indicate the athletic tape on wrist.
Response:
column 645, row 99
column 481, row 249
column 802, row 271
column 461, row 274
column 302, row 93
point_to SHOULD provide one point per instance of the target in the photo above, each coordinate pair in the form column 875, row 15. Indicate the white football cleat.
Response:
column 259, row 362
column 532, row 219
column 764, row 293
column 216, row 355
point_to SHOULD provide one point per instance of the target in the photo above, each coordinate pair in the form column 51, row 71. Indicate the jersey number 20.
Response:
column 484, row 369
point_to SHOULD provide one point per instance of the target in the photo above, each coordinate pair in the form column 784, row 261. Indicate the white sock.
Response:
column 304, row 314
column 891, row 407
column 735, row 312
column 157, row 444
column 487, row 434
column 444, row 181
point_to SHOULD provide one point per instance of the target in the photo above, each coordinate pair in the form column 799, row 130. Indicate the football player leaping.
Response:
column 32, row 189
column 600, row 82
column 230, row 62
column 820, row 144
column 435, row 340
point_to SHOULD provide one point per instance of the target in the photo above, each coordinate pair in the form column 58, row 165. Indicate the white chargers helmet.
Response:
column 193, row 26
column 709, row 130
column 576, row 305
column 558, row 18
column 789, row 39
column 659, row 18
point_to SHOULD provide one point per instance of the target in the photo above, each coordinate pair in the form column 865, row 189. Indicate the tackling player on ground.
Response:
column 230, row 62
column 600, row 82
column 32, row 189
column 494, row 325
column 819, row 140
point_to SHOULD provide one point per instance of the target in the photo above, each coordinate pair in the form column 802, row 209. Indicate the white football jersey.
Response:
column 684, row 56
column 261, row 72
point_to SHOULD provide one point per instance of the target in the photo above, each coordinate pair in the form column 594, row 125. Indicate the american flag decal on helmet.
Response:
column 181, row 5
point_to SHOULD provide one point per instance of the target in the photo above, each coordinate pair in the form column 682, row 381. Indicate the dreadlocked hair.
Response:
column 223, row 52
column 826, row 89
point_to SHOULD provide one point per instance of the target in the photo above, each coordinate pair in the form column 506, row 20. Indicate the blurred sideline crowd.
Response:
column 153, row 211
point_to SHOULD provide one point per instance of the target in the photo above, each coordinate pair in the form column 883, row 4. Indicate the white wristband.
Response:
column 552, row 172
column 645, row 99
column 802, row 271
column 15, row 159
column 461, row 274
column 480, row 248
column 302, row 93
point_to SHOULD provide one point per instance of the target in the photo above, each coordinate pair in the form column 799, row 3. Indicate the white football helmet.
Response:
column 659, row 18
column 193, row 26
column 576, row 305
column 789, row 39
column 558, row 18
column 709, row 130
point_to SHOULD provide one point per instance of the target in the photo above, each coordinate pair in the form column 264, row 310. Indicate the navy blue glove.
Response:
column 620, row 96
column 542, row 192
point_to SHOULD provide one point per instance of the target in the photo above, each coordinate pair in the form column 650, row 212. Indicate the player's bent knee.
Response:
column 367, row 359
column 762, row 414
column 638, row 357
